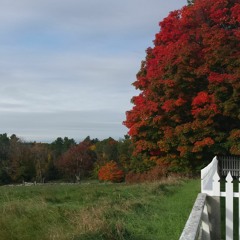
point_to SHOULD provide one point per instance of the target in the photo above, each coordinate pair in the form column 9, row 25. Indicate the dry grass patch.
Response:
column 90, row 219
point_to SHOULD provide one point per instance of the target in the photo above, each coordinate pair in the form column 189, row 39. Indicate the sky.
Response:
column 66, row 66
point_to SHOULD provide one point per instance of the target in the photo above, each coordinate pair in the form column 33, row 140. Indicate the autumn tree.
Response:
column 188, row 108
column 106, row 150
column 78, row 161
column 61, row 145
column 42, row 160
column 16, row 163
column 111, row 172
column 58, row 148
column 125, row 149
column 20, row 160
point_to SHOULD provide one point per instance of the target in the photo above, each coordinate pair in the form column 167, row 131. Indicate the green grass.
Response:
column 97, row 211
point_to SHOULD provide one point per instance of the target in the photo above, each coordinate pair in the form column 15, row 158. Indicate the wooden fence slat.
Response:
column 207, row 176
column 216, row 185
column 229, row 207
column 205, row 224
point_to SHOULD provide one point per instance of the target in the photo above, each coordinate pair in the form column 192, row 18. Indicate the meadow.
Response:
column 94, row 211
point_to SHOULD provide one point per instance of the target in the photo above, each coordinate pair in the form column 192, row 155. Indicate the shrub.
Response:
column 111, row 172
column 158, row 172
column 154, row 174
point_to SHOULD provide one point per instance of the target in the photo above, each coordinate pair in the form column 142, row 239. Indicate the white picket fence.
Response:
column 208, row 225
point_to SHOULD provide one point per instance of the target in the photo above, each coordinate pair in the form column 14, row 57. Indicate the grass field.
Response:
column 95, row 211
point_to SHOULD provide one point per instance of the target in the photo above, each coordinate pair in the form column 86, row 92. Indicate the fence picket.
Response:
column 216, row 184
column 229, row 207
column 209, row 224
column 207, row 176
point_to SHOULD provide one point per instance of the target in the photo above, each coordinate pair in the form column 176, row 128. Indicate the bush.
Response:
column 152, row 175
column 158, row 172
column 111, row 172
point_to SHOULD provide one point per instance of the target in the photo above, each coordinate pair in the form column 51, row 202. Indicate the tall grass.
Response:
column 145, row 211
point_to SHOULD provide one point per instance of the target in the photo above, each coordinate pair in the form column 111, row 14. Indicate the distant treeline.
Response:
column 63, row 159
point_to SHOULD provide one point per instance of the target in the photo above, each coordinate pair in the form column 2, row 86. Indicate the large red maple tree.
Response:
column 188, row 108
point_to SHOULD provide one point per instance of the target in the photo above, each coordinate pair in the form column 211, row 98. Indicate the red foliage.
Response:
column 168, row 105
column 219, row 77
column 235, row 13
column 77, row 161
column 189, row 84
column 179, row 102
column 234, row 139
column 201, row 99
column 111, row 172
column 235, row 134
column 200, row 144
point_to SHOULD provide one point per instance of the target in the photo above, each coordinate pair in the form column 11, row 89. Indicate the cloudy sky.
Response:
column 66, row 66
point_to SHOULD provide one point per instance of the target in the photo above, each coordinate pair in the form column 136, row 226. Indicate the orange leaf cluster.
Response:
column 111, row 172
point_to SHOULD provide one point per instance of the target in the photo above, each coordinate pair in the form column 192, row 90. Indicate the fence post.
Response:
column 206, row 233
column 192, row 229
column 216, row 185
column 213, row 205
column 207, row 174
column 229, row 207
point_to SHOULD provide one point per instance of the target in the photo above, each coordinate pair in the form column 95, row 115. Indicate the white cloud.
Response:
column 69, row 82
column 89, row 15
column 75, row 124
column 66, row 67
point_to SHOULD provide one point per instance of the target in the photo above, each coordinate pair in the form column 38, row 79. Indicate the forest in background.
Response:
column 63, row 159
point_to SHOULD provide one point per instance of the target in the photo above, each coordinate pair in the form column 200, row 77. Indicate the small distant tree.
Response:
column 22, row 163
column 42, row 158
column 106, row 150
column 60, row 146
column 111, row 172
column 125, row 149
column 78, row 161
column 4, row 159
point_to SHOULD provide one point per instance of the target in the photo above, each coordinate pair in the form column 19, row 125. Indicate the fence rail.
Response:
column 197, row 226
column 228, row 164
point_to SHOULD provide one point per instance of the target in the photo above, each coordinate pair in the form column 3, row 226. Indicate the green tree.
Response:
column 4, row 159
column 42, row 160
column 60, row 146
column 125, row 150
column 22, row 162
column 106, row 150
